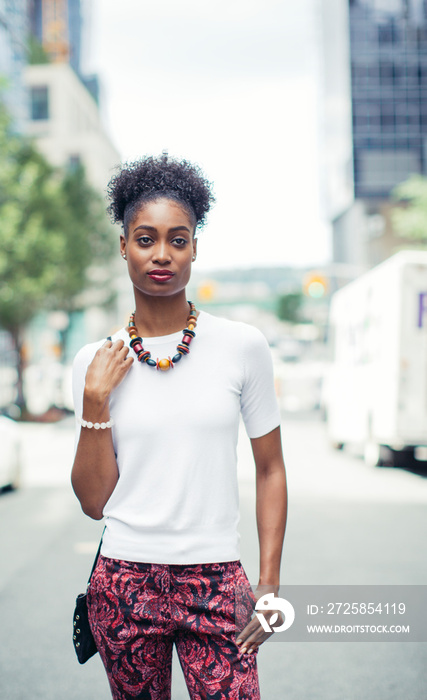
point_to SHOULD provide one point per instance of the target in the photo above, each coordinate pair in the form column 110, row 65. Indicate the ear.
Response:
column 122, row 244
column 194, row 247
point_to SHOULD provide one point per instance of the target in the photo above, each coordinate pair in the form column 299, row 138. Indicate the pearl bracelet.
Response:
column 88, row 424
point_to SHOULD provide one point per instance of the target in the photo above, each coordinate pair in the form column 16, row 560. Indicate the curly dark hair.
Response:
column 149, row 178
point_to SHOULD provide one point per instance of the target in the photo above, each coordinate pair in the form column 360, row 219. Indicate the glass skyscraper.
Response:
column 388, row 44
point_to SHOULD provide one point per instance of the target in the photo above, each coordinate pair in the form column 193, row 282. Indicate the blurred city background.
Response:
column 310, row 118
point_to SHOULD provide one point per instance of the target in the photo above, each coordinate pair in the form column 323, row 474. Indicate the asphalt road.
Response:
column 348, row 524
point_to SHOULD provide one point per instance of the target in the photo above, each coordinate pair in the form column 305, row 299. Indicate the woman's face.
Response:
column 159, row 248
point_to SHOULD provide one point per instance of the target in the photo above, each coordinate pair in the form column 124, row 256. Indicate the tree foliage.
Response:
column 31, row 240
column 53, row 229
column 87, row 239
column 35, row 51
column 289, row 307
column 409, row 219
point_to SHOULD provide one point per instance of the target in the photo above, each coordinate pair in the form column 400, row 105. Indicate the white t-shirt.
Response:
column 175, row 436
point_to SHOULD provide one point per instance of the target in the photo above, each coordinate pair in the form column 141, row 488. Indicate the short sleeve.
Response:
column 258, row 401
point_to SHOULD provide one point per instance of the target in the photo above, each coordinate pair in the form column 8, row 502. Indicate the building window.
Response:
column 74, row 163
column 413, row 75
column 385, row 34
column 387, row 121
column 386, row 73
column 39, row 97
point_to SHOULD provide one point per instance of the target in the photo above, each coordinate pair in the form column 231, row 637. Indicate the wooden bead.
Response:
column 136, row 342
column 184, row 349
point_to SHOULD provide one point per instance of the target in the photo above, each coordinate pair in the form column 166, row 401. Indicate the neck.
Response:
column 156, row 316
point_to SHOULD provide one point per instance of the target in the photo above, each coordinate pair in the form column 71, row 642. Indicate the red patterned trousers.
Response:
column 137, row 612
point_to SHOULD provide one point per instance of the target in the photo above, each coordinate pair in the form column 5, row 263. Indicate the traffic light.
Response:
column 206, row 291
column 315, row 285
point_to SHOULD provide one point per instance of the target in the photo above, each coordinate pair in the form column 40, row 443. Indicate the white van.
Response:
column 376, row 390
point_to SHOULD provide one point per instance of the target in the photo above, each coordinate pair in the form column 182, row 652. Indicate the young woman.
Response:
column 158, row 411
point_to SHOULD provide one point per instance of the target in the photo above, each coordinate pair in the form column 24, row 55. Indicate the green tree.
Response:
column 89, row 244
column 52, row 228
column 88, row 235
column 35, row 51
column 289, row 306
column 409, row 219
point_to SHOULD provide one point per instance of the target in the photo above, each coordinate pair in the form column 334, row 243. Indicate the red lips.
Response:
column 160, row 275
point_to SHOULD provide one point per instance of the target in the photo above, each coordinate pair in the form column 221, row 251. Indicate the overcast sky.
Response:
column 231, row 85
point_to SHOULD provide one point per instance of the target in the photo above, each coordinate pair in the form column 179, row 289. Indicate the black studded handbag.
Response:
column 83, row 640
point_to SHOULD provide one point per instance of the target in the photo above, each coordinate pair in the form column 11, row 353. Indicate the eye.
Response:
column 180, row 242
column 144, row 240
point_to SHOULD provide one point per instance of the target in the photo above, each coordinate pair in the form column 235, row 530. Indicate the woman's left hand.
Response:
column 253, row 635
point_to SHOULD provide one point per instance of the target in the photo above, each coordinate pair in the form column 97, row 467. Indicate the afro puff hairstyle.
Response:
column 149, row 178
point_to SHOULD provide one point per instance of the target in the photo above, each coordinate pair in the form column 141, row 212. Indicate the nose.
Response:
column 161, row 253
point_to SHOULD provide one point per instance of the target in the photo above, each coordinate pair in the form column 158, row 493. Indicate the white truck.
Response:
column 375, row 392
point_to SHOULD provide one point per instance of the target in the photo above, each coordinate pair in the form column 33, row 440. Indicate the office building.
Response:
column 65, row 121
column 388, row 58
column 58, row 26
column 388, row 42
column 64, row 116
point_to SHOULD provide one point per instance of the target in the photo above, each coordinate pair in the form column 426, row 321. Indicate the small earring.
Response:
column 194, row 257
column 124, row 257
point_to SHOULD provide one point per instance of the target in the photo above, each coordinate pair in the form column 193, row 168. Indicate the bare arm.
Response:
column 271, row 504
column 271, row 512
column 95, row 473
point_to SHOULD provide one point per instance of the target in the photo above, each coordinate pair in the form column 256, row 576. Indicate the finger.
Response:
column 252, row 625
column 123, row 350
column 252, row 636
column 246, row 633
column 254, row 642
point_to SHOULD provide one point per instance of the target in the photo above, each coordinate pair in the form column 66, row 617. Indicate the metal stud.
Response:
column 77, row 631
column 77, row 644
column 74, row 636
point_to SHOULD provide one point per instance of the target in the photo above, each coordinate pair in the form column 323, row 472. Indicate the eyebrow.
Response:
column 153, row 228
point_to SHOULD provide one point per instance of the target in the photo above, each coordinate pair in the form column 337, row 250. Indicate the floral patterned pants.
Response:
column 138, row 611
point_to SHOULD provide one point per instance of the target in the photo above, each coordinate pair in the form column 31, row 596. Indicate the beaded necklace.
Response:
column 182, row 348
